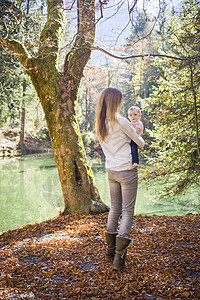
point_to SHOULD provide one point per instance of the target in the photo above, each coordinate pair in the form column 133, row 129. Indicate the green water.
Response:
column 30, row 192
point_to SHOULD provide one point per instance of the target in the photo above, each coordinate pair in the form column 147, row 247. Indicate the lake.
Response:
column 30, row 192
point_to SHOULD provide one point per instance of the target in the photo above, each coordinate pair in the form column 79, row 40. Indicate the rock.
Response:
column 22, row 296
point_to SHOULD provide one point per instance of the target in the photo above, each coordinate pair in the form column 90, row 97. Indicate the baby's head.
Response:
column 134, row 113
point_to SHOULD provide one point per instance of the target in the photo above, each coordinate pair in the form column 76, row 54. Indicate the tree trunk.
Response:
column 195, row 106
column 58, row 94
column 86, row 109
column 23, row 112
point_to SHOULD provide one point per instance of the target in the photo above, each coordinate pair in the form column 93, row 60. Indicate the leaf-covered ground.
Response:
column 63, row 258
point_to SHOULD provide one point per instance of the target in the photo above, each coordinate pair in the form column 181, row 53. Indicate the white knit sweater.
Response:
column 117, row 148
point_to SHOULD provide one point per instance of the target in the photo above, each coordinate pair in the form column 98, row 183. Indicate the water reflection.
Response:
column 30, row 192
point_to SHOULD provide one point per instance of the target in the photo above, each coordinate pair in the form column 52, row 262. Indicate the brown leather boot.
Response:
column 111, row 245
column 122, row 244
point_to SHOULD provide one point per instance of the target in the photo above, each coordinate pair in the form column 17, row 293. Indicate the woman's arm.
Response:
column 130, row 131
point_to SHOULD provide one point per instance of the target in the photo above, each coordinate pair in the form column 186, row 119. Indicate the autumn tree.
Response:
column 57, row 91
column 93, row 82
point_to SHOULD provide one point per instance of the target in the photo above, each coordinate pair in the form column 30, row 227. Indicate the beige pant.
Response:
column 123, row 191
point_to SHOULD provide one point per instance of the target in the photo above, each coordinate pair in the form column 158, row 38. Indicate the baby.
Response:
column 134, row 115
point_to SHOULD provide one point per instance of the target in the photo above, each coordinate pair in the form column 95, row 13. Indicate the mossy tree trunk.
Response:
column 58, row 95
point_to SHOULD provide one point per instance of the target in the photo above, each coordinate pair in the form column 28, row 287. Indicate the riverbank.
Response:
column 32, row 144
column 63, row 258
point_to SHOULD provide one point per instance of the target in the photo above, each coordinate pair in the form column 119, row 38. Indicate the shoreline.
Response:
column 32, row 145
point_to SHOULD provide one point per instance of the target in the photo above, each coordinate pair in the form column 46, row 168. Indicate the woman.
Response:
column 115, row 134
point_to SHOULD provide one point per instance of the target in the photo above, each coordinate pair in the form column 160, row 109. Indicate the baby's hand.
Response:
column 135, row 165
column 138, row 131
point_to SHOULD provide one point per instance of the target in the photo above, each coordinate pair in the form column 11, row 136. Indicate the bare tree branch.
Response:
column 152, row 174
column 133, row 6
column 28, row 6
column 144, row 55
column 70, row 7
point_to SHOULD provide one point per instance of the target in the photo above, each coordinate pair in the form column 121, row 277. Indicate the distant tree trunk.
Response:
column 195, row 107
column 23, row 113
column 86, row 109
column 89, row 111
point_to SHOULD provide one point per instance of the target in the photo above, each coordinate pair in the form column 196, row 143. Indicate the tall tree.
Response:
column 57, row 92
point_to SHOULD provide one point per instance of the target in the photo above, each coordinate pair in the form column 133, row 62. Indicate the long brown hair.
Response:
column 107, row 109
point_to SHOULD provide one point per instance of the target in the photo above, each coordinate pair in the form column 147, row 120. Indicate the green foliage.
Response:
column 43, row 134
column 89, row 138
column 171, row 107
column 12, row 74
column 10, row 71
column 10, row 90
